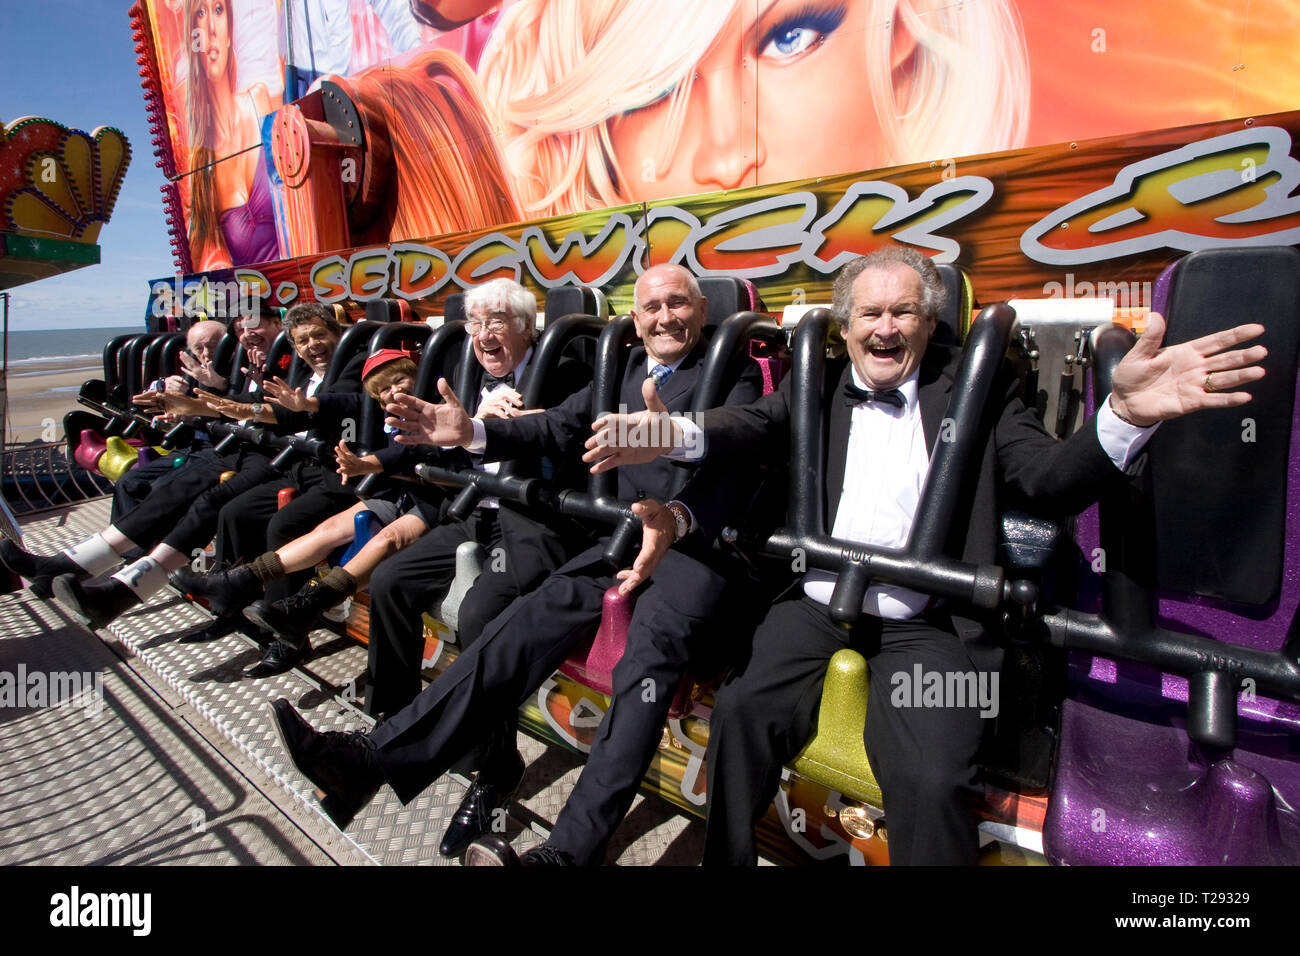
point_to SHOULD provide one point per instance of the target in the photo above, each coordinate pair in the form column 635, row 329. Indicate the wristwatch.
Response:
column 681, row 517
column 257, row 408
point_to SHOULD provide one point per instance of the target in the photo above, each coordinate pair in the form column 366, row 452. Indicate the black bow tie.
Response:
column 491, row 381
column 889, row 396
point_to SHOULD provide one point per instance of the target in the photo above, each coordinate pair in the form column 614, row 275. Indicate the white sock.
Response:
column 95, row 555
column 144, row 577
column 169, row 557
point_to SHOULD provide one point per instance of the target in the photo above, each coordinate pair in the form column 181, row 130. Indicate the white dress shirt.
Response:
column 885, row 468
column 479, row 442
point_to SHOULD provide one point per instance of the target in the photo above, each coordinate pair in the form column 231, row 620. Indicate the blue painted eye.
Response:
column 791, row 43
column 797, row 34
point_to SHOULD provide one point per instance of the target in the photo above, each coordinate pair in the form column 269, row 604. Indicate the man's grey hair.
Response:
column 519, row 303
column 692, row 283
column 933, row 295
column 307, row 312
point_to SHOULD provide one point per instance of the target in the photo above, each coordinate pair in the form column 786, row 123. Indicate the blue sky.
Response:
column 72, row 61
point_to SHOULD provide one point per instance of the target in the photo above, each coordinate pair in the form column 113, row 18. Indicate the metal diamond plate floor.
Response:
column 155, row 763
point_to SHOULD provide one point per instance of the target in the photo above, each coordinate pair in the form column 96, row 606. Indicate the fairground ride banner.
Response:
column 1075, row 219
column 479, row 113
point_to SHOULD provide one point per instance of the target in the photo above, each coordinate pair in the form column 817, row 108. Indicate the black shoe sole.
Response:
column 490, row 851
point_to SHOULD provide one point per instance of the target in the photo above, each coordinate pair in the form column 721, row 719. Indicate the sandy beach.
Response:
column 40, row 393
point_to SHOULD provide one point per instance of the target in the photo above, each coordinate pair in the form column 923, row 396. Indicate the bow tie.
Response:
column 889, row 396
column 491, row 381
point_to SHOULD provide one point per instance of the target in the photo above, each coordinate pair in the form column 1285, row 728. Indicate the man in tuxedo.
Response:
column 190, row 523
column 522, row 647
column 886, row 411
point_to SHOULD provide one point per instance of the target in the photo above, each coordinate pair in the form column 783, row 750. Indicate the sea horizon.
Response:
column 31, row 348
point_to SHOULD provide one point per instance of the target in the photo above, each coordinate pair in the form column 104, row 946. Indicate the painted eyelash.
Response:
column 824, row 20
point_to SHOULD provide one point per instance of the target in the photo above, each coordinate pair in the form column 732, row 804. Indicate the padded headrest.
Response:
column 1220, row 477
column 453, row 308
column 955, row 317
column 570, row 300
column 382, row 310
column 727, row 296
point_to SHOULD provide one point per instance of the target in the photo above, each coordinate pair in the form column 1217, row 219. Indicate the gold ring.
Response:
column 1209, row 386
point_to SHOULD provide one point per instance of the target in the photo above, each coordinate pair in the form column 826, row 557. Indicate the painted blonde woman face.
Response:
column 778, row 97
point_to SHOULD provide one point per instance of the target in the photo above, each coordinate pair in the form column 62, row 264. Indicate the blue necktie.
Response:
column 660, row 375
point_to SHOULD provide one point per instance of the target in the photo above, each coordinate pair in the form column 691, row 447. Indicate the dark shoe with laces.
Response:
column 494, row 851
column 293, row 618
column 94, row 605
column 226, row 592
column 39, row 570
column 279, row 658
column 341, row 765
column 489, row 792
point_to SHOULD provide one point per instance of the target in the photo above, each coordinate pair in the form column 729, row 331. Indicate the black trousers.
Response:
column 923, row 757
column 252, row 523
column 134, row 486
column 522, row 647
column 407, row 585
column 182, row 512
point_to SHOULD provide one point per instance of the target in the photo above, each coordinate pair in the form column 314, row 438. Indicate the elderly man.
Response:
column 523, row 646
column 315, row 333
column 885, row 414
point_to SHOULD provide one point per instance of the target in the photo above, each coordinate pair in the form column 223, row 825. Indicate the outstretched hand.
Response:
column 280, row 392
column 202, row 372
column 351, row 465
column 172, row 405
column 425, row 423
column 1153, row 384
column 633, row 439
column 658, row 532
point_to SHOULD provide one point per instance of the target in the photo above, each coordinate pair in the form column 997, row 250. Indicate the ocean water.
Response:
column 31, row 352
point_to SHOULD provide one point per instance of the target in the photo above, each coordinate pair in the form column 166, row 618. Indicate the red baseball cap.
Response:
column 382, row 358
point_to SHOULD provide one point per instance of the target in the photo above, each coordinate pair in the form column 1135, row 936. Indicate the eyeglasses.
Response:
column 495, row 326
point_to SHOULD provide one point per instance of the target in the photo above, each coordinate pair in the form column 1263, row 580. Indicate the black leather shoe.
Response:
column 94, row 605
column 293, row 618
column 474, row 817
column 494, row 851
column 227, row 592
column 39, row 570
column 279, row 657
column 213, row 630
column 341, row 765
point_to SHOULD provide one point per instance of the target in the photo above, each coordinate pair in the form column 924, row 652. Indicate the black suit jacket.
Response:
column 565, row 428
column 1020, row 464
